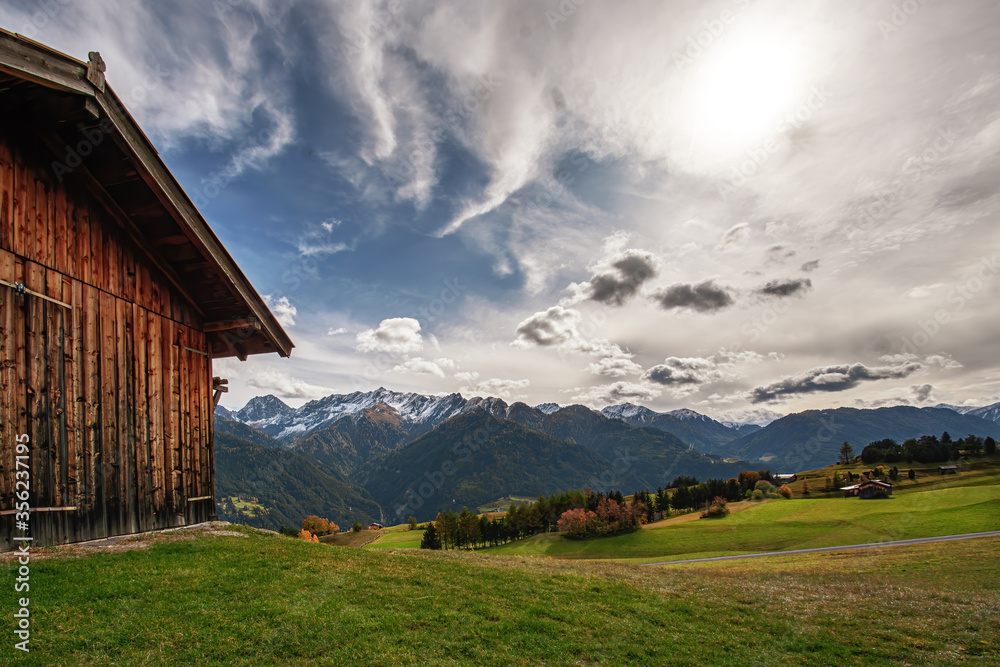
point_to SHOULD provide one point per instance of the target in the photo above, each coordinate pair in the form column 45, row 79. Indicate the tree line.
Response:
column 467, row 530
column 583, row 514
column 927, row 449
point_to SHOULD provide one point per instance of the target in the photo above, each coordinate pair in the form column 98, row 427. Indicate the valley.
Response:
column 384, row 456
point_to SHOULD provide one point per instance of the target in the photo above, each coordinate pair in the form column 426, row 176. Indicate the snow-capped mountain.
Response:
column 547, row 408
column 270, row 415
column 987, row 412
column 225, row 413
column 628, row 411
column 686, row 415
column 263, row 409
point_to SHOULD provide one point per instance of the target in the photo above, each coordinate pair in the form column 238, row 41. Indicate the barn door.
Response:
column 37, row 373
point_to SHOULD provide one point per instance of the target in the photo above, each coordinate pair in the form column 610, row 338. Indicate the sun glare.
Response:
column 740, row 92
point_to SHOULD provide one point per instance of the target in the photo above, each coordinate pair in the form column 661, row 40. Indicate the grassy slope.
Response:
column 975, row 472
column 789, row 524
column 398, row 537
column 273, row 600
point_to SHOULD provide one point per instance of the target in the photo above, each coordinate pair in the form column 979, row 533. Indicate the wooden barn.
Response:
column 873, row 487
column 115, row 297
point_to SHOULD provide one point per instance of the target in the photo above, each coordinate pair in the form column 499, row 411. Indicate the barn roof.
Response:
column 63, row 101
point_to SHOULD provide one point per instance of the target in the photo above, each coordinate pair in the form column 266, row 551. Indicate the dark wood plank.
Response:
column 194, row 408
column 81, row 220
column 57, row 72
column 126, row 443
column 140, row 422
column 183, row 425
column 6, row 197
column 142, row 285
column 55, row 383
column 40, row 217
column 170, row 462
column 128, row 272
column 154, row 396
column 109, row 449
column 47, row 218
column 22, row 231
column 97, row 275
column 75, row 408
column 92, row 477
column 62, row 242
column 9, row 381
column 17, row 316
column 71, row 234
column 38, row 417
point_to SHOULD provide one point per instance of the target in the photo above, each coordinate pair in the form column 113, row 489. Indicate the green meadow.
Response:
column 779, row 525
column 398, row 537
column 257, row 598
column 263, row 599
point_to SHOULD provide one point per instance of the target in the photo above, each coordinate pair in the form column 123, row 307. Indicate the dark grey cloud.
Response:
column 705, row 297
column 669, row 374
column 811, row 265
column 922, row 392
column 628, row 272
column 699, row 370
column 830, row 379
column 554, row 326
column 785, row 287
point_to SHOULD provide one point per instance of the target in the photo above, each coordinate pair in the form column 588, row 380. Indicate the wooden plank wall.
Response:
column 117, row 409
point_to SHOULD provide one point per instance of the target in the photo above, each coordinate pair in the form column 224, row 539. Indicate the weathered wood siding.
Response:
column 117, row 405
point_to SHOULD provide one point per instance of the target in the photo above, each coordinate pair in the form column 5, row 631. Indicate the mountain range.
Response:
column 391, row 452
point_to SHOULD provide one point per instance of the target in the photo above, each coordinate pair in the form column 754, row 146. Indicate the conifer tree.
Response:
column 431, row 539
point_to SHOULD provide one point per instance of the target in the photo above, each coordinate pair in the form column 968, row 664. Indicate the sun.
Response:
column 739, row 91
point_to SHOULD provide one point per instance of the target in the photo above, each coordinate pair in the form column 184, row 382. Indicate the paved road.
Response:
column 870, row 545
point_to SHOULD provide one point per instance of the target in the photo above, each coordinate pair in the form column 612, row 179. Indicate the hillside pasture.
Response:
column 269, row 599
column 780, row 525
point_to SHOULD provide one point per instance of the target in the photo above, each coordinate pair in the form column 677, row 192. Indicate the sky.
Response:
column 729, row 206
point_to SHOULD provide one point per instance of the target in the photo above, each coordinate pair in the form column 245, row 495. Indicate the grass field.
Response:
column 787, row 524
column 973, row 472
column 267, row 599
column 398, row 537
column 352, row 539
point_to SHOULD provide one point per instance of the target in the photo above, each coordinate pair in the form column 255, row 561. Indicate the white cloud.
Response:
column 282, row 309
column 285, row 386
column 559, row 327
column 467, row 376
column 615, row 366
column 318, row 241
column 735, row 236
column 397, row 335
column 424, row 366
column 685, row 374
column 498, row 387
column 336, row 332
column 212, row 86
column 616, row 392
column 943, row 360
